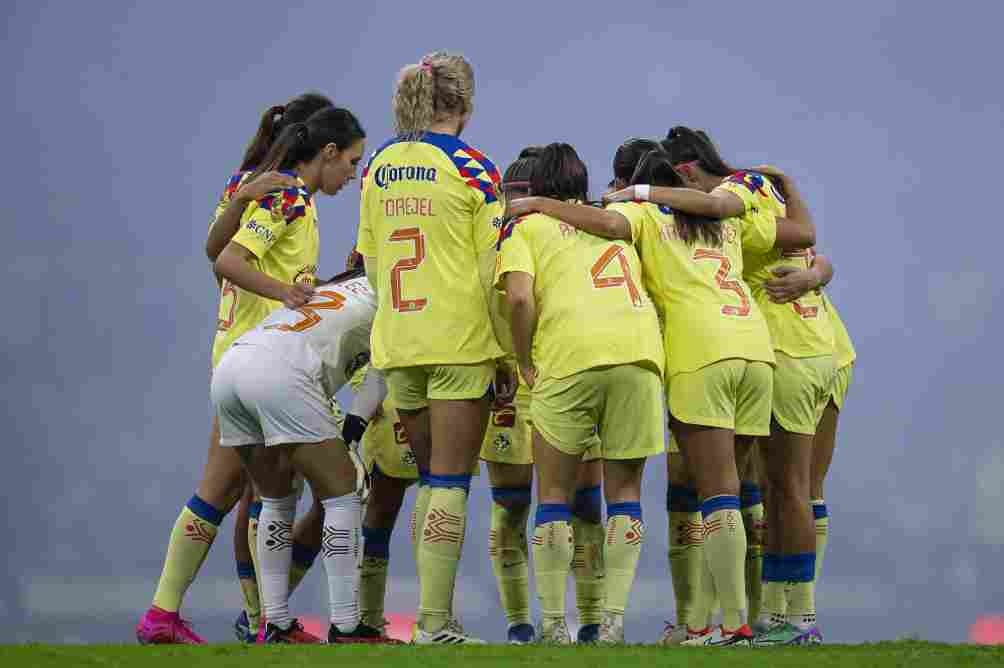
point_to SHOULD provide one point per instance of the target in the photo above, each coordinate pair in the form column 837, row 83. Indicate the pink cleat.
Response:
column 160, row 627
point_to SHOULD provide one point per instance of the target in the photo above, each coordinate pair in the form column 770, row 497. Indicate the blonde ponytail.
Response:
column 439, row 86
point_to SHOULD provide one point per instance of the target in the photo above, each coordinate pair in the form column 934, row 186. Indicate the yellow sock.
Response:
column 751, row 506
column 193, row 534
column 588, row 570
column 801, row 589
column 822, row 515
column 725, row 552
column 253, row 512
column 418, row 518
column 249, row 591
column 686, row 554
column 373, row 575
column 553, row 550
column 625, row 535
column 508, row 552
column 774, row 595
column 442, row 534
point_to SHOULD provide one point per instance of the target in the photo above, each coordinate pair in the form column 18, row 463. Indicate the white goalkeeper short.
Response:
column 260, row 398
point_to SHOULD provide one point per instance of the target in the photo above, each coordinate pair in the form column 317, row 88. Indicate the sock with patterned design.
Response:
column 686, row 555
column 442, row 541
column 373, row 575
column 625, row 535
column 340, row 546
column 275, row 556
column 751, row 507
column 725, row 552
column 553, row 549
column 249, row 591
column 418, row 513
column 774, row 597
column 800, row 573
column 508, row 551
column 193, row 534
column 587, row 564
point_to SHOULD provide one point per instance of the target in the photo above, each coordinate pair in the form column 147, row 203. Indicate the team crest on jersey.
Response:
column 307, row 275
column 501, row 443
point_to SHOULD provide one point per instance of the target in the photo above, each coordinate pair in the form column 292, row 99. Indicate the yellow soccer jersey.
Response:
column 592, row 309
column 708, row 311
column 800, row 328
column 843, row 349
column 280, row 230
column 429, row 208
column 233, row 184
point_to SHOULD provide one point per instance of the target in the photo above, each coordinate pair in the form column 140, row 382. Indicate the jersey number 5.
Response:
column 415, row 236
column 611, row 253
column 726, row 283
column 333, row 301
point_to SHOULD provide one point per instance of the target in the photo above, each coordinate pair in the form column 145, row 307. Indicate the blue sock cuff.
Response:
column 423, row 478
column 680, row 499
column 716, row 503
column 819, row 511
column 749, row 494
column 304, row 555
column 589, row 504
column 205, row 510
column 245, row 570
column 630, row 508
column 789, row 567
column 552, row 512
column 376, row 543
column 254, row 510
column 511, row 497
column 463, row 481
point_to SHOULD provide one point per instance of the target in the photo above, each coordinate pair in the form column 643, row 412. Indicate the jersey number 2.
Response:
column 726, row 283
column 625, row 279
column 333, row 301
column 415, row 236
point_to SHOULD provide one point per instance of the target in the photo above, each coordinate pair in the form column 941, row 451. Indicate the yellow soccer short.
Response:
column 802, row 388
column 728, row 394
column 621, row 406
column 411, row 387
column 385, row 446
column 841, row 383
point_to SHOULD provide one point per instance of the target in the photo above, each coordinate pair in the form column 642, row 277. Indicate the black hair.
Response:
column 517, row 175
column 686, row 145
column 301, row 142
column 629, row 154
column 655, row 168
column 276, row 119
column 560, row 174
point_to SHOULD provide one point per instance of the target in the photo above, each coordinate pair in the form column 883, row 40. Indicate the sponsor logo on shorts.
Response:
column 501, row 443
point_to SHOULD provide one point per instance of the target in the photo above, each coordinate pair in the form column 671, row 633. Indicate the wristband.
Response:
column 642, row 192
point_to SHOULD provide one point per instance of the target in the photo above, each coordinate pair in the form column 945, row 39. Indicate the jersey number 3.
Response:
column 415, row 236
column 332, row 301
column 726, row 283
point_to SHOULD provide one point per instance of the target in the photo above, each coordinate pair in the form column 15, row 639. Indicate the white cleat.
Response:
column 611, row 630
column 673, row 634
column 554, row 632
column 445, row 636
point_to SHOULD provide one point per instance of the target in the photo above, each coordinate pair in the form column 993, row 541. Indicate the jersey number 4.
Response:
column 413, row 235
column 726, row 283
column 332, row 301
column 615, row 252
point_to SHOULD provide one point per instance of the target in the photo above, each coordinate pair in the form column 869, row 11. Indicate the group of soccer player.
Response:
column 512, row 320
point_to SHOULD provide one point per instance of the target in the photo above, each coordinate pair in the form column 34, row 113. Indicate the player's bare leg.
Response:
column 823, row 446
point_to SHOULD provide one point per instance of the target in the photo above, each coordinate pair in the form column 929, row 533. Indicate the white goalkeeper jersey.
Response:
column 329, row 337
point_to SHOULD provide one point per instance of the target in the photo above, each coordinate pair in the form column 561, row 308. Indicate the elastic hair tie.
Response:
column 425, row 64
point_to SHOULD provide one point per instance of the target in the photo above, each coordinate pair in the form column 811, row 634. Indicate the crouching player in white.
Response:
column 271, row 392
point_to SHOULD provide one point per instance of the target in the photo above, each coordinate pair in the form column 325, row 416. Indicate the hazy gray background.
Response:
column 122, row 123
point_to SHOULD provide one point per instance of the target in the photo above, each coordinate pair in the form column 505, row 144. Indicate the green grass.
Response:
column 907, row 654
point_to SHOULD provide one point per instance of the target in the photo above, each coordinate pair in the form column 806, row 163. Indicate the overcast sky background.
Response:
column 123, row 121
